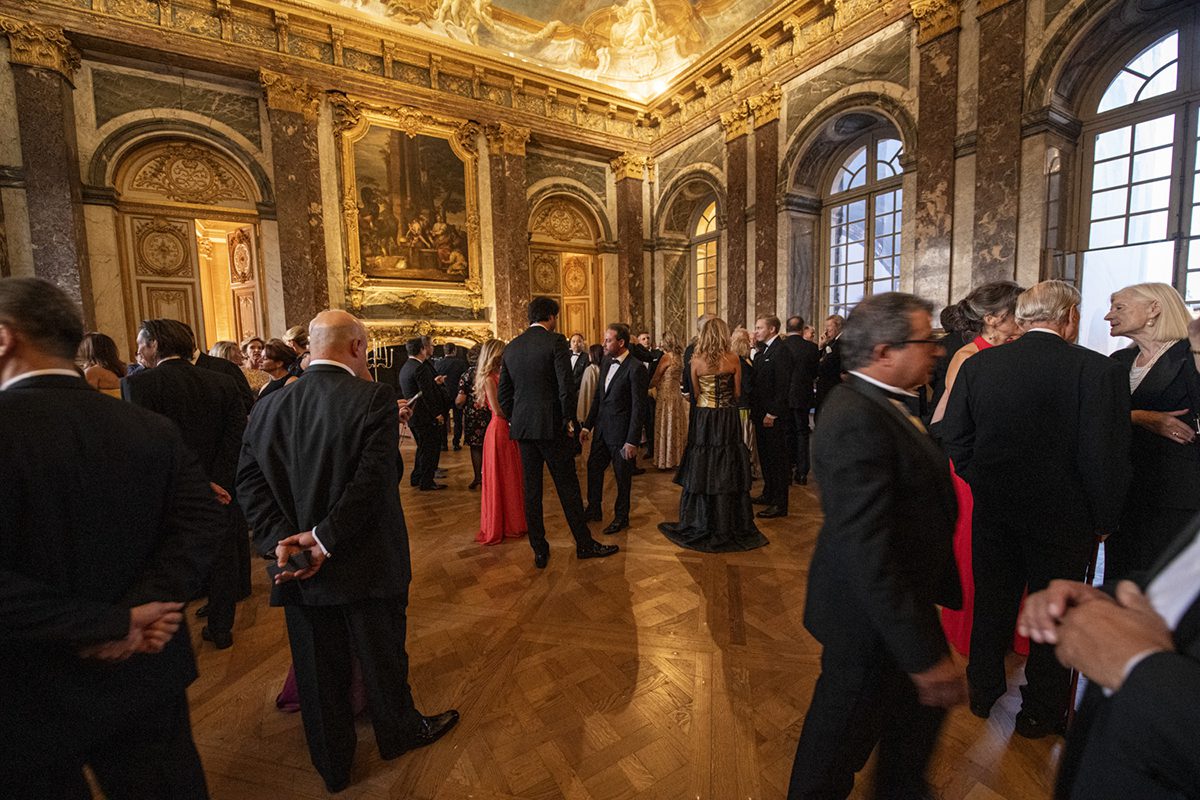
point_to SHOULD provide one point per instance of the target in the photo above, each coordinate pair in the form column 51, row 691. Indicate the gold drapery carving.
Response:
column 187, row 173
column 42, row 46
column 736, row 122
column 934, row 18
column 286, row 93
column 765, row 107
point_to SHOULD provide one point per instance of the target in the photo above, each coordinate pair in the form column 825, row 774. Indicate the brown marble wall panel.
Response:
column 735, row 155
column 50, row 157
column 998, row 153
column 299, row 215
column 631, row 271
column 501, row 248
column 802, row 260
column 5, row 268
column 675, row 294
column 766, row 217
column 516, row 226
column 933, row 224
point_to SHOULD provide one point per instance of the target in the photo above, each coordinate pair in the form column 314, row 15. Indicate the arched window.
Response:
column 704, row 256
column 862, row 218
column 1140, row 215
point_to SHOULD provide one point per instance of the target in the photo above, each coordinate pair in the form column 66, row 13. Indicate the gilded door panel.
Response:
column 243, row 281
column 162, row 264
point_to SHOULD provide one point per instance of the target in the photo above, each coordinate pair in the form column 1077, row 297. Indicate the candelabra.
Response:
column 379, row 356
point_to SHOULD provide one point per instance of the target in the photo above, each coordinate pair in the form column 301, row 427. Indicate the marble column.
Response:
column 629, row 171
column 938, row 98
column 292, row 107
column 765, row 110
column 43, row 65
column 736, row 124
column 998, row 140
column 510, row 225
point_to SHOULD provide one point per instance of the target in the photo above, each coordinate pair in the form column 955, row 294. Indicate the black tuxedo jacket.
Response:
column 204, row 404
column 102, row 507
column 1165, row 473
column 884, row 557
column 221, row 365
column 1040, row 427
column 1141, row 741
column 453, row 368
column 829, row 369
column 806, row 358
column 418, row 376
column 619, row 412
column 685, row 382
column 323, row 454
column 772, row 381
column 580, row 367
column 537, row 392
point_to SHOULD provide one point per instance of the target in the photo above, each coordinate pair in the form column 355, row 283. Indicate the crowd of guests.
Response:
column 970, row 483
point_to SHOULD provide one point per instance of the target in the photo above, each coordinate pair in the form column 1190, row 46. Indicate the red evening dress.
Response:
column 957, row 624
column 502, row 501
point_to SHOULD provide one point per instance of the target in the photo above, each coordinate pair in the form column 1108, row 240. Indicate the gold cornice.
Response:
column 765, row 107
column 736, row 122
column 506, row 139
column 630, row 165
column 42, row 46
column 286, row 93
column 935, row 18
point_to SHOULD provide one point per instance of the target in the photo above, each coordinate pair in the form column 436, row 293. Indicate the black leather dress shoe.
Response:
column 981, row 702
column 771, row 512
column 593, row 514
column 541, row 558
column 1032, row 727
column 595, row 550
column 433, row 487
column 429, row 730
column 759, row 500
column 639, row 471
column 616, row 526
column 220, row 640
column 801, row 480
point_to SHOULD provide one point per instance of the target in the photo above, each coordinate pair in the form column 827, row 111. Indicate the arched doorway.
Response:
column 187, row 227
column 563, row 263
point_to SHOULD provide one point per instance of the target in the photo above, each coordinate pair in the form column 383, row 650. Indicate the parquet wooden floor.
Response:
column 657, row 673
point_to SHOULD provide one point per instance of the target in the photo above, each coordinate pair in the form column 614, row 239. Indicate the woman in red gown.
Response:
column 988, row 312
column 502, row 501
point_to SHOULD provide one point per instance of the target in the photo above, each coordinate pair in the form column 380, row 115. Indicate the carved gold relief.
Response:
column 575, row 274
column 186, row 173
column 392, row 333
column 560, row 219
column 736, row 122
column 288, row 94
column 934, row 17
column 765, row 107
column 544, row 270
column 507, row 139
column 161, row 248
column 241, row 262
column 628, row 165
column 40, row 46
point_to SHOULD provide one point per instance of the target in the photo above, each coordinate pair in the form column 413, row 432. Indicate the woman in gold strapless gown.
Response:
column 715, row 514
column 671, row 417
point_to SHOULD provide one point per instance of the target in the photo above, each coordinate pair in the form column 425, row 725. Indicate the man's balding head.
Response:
column 339, row 336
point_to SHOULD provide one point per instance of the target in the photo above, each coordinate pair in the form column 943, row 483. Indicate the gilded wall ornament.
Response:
column 161, row 248
column 934, row 18
column 765, row 107
column 628, row 165
column 560, row 219
column 241, row 262
column 575, row 272
column 43, row 46
column 288, row 94
column 186, row 173
column 545, row 272
column 736, row 122
column 393, row 334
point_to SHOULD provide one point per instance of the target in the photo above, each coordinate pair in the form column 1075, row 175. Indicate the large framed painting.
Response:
column 410, row 203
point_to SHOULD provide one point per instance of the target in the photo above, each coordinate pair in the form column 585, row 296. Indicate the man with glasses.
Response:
column 883, row 563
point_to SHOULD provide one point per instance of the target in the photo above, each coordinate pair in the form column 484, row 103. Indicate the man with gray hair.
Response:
column 884, row 561
column 1039, row 428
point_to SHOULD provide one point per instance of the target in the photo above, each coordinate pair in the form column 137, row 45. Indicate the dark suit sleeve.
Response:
column 1104, row 439
column 31, row 611
column 957, row 428
column 685, row 382
column 562, row 373
column 355, row 511
column 857, row 486
column 1153, row 719
column 234, row 419
column 638, row 385
column 777, row 403
column 136, row 392
column 506, row 391
column 258, row 503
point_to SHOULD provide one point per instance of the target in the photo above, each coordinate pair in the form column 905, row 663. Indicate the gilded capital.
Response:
column 934, row 18
column 629, row 165
column 736, row 122
column 288, row 94
column 42, row 46
column 507, row 139
column 346, row 114
column 765, row 106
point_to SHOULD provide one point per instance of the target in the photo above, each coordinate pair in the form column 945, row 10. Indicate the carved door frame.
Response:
column 564, row 263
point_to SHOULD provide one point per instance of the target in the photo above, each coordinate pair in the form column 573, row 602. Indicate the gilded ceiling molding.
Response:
column 285, row 93
column 934, row 18
column 629, row 165
column 765, row 106
column 736, row 122
column 506, row 139
column 42, row 46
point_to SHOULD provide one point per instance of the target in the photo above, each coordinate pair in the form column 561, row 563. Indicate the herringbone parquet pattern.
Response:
column 658, row 673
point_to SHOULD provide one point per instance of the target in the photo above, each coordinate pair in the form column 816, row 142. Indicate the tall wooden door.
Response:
column 160, row 253
column 569, row 278
column 243, row 282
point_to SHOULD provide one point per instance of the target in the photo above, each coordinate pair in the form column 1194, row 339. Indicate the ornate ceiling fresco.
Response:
column 633, row 46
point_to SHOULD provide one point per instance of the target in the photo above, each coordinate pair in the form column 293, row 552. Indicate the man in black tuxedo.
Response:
column 649, row 356
column 772, row 414
column 206, row 407
column 1138, row 644
column 884, row 561
column 428, row 412
column 451, row 368
column 318, row 476
column 614, row 424
column 579, row 359
column 204, row 361
column 538, row 396
column 805, row 360
column 1040, row 430
column 829, row 369
column 109, row 525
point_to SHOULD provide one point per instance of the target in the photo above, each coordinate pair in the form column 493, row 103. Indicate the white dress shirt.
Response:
column 34, row 373
column 613, row 367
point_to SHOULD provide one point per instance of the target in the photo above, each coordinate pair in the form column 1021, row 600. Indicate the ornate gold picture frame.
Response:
column 410, row 203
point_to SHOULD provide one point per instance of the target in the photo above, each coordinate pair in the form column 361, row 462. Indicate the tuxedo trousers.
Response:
column 775, row 460
column 149, row 755
column 229, row 571
column 863, row 699
column 429, row 438
column 799, row 433
column 601, row 455
column 558, row 456
column 324, row 641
